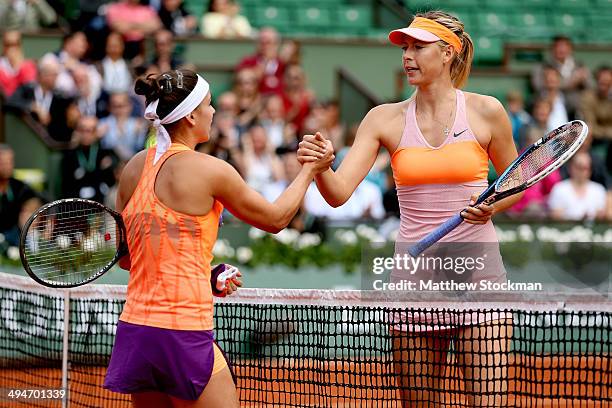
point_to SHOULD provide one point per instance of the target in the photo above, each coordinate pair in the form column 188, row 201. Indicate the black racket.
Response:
column 71, row 242
column 535, row 163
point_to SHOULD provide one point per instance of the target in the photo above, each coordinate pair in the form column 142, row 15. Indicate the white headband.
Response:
column 192, row 101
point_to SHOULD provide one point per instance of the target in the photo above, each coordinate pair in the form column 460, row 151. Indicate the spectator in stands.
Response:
column 517, row 114
column 87, row 170
column 273, row 121
column 261, row 165
column 596, row 110
column 250, row 102
column 315, row 120
column 540, row 114
column 116, row 75
column 134, row 21
column 268, row 66
column 534, row 202
column 26, row 15
column 17, row 200
column 65, row 115
column 224, row 140
column 291, row 52
column 575, row 77
column 228, row 102
column 578, row 198
column 302, row 221
column 70, row 56
column 90, row 15
column 297, row 97
column 559, row 110
column 87, row 95
column 122, row 132
column 38, row 97
column 223, row 20
column 599, row 171
column 175, row 17
column 15, row 70
column 332, row 127
column 165, row 58
column 366, row 202
column 291, row 168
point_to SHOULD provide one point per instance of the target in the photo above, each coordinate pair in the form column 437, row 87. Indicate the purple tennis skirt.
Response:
column 176, row 362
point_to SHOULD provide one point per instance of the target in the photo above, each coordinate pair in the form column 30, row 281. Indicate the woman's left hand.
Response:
column 229, row 280
column 480, row 214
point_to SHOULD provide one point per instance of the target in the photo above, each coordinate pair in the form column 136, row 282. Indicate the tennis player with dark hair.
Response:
column 171, row 198
column 441, row 140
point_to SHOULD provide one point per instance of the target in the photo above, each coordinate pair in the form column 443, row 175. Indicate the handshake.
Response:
column 316, row 153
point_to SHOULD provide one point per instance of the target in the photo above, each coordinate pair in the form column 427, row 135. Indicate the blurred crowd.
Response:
column 83, row 95
column 564, row 89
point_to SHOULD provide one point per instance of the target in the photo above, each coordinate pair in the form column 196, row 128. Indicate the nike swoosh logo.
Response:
column 457, row 134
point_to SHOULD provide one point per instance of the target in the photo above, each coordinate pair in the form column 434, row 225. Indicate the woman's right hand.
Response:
column 313, row 148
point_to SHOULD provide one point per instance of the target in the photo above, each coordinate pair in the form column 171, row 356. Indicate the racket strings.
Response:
column 540, row 160
column 70, row 242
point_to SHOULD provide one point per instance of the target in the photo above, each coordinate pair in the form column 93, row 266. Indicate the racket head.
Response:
column 542, row 158
column 71, row 242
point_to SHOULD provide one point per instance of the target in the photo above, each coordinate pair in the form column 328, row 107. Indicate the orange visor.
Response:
column 426, row 30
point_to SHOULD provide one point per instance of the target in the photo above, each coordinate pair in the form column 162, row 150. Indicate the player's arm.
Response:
column 250, row 206
column 127, row 184
column 501, row 151
column 337, row 187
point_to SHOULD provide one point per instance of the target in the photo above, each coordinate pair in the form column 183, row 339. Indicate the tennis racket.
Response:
column 71, row 242
column 536, row 162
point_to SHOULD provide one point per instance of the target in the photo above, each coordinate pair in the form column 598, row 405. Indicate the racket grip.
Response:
column 435, row 235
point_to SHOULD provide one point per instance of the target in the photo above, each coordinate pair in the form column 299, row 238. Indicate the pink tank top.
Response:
column 435, row 183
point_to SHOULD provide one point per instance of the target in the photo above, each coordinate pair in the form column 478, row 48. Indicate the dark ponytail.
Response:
column 171, row 88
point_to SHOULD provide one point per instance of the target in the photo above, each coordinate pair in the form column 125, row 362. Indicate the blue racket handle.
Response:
column 435, row 235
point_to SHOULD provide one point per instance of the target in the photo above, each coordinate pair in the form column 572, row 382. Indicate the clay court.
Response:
column 560, row 382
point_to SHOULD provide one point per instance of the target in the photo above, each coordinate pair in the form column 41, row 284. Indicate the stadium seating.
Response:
column 573, row 25
column 529, row 25
column 488, row 50
column 586, row 21
column 274, row 16
column 357, row 18
column 313, row 17
column 491, row 22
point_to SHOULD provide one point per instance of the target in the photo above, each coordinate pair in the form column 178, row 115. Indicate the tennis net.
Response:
column 328, row 349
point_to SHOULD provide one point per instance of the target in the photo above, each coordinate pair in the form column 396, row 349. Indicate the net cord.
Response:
column 537, row 301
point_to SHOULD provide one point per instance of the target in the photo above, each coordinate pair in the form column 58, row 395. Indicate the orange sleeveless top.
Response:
column 170, row 253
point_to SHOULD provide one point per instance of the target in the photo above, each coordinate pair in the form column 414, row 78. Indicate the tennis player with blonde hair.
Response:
column 441, row 140
column 171, row 198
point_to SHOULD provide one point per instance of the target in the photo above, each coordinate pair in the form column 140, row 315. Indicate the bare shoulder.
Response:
column 133, row 168
column 195, row 164
column 385, row 118
column 487, row 106
column 387, row 111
